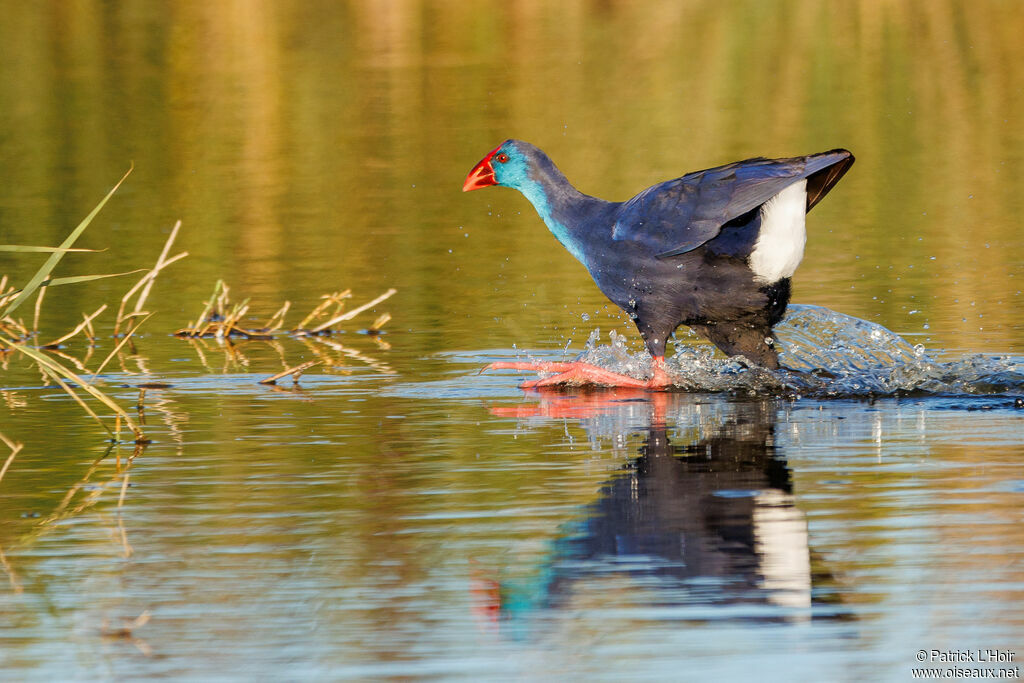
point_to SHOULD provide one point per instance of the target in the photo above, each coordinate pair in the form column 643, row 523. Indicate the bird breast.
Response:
column 780, row 244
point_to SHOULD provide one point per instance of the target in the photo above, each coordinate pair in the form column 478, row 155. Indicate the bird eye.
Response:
column 502, row 158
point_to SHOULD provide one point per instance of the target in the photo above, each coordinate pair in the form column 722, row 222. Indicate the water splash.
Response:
column 823, row 354
column 831, row 354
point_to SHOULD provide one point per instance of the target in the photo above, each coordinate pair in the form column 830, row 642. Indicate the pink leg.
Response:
column 577, row 373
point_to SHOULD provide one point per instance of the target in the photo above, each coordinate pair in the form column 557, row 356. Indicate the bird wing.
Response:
column 679, row 215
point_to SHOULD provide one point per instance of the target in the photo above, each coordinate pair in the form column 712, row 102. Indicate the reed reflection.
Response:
column 703, row 519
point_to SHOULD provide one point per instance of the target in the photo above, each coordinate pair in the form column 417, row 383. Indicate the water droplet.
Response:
column 632, row 303
column 585, row 317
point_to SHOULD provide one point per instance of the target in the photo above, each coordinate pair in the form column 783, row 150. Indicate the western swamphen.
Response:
column 713, row 250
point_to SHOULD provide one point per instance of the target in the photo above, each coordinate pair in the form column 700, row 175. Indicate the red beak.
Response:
column 482, row 174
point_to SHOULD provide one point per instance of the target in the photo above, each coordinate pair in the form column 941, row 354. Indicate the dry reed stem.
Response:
column 219, row 322
column 207, row 306
column 336, row 298
column 120, row 345
column 90, row 333
column 230, row 322
column 146, row 282
column 355, row 311
column 221, row 319
column 124, row 489
column 14, row 328
column 15, row 448
column 161, row 262
column 380, row 322
column 81, row 326
column 295, row 372
column 39, row 305
column 277, row 320
column 11, row 576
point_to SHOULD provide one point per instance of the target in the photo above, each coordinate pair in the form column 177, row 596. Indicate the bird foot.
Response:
column 582, row 374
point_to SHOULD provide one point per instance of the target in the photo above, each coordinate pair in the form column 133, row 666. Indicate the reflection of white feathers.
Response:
column 780, row 533
column 780, row 244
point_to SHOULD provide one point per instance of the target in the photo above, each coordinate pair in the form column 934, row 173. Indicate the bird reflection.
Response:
column 704, row 522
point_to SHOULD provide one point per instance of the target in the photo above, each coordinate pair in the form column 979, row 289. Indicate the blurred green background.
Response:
column 310, row 146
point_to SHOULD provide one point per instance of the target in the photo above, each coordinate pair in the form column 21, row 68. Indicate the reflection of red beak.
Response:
column 482, row 174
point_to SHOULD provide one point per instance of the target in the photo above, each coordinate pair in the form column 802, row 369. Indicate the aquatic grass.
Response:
column 38, row 280
column 15, row 336
column 221, row 318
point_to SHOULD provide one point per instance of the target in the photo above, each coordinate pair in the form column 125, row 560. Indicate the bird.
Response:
column 714, row 250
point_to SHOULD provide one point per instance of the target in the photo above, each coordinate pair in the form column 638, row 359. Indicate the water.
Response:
column 399, row 514
column 823, row 354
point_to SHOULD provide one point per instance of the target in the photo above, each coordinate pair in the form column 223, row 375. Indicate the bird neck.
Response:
column 562, row 207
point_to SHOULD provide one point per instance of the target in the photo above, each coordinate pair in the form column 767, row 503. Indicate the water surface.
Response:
column 397, row 514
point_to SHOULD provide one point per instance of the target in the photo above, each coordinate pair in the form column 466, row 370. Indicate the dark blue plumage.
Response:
column 679, row 215
column 712, row 249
